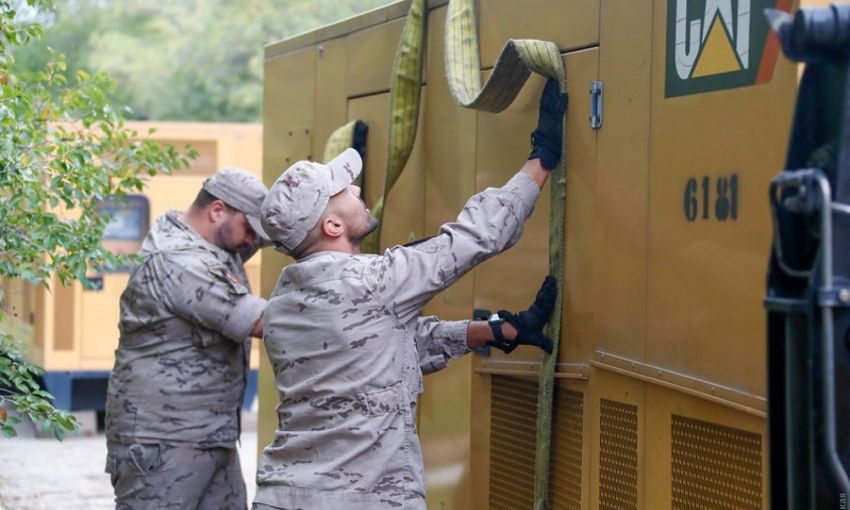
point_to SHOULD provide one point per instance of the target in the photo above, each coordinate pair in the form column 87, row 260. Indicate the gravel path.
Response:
column 44, row 474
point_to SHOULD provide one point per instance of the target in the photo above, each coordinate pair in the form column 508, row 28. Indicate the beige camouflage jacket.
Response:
column 182, row 358
column 346, row 344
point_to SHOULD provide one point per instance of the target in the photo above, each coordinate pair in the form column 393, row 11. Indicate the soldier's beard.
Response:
column 358, row 234
column 223, row 238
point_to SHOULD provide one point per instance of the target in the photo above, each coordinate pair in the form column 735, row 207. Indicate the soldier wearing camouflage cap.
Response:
column 344, row 334
column 186, row 321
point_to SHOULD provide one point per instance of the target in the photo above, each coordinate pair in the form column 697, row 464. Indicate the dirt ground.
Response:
column 44, row 474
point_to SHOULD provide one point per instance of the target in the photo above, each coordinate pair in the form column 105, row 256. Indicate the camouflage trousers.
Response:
column 159, row 477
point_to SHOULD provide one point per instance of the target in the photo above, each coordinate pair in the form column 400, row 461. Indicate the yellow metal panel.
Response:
column 616, row 442
column 288, row 103
column 513, row 426
column 570, row 24
column 370, row 58
column 710, row 434
column 578, row 318
column 706, row 276
column 331, row 101
column 99, row 317
column 444, row 409
column 621, row 186
column 63, row 335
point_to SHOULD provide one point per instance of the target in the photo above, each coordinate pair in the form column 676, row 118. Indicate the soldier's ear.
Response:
column 217, row 212
column 333, row 226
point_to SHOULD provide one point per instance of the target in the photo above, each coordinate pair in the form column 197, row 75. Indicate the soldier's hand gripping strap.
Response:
column 546, row 139
column 529, row 323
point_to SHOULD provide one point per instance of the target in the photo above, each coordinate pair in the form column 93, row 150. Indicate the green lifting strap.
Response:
column 514, row 65
column 405, row 92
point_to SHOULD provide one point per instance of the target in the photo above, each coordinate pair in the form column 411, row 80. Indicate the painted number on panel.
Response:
column 708, row 198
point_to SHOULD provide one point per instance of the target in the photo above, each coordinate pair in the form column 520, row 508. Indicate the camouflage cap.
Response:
column 300, row 195
column 241, row 190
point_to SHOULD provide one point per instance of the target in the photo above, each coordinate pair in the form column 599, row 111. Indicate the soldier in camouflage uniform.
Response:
column 186, row 321
column 344, row 335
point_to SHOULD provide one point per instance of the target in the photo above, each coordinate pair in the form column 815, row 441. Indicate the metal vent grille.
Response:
column 513, row 425
column 715, row 467
column 618, row 441
column 565, row 469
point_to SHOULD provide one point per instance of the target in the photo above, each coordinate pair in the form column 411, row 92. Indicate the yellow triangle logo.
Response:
column 717, row 55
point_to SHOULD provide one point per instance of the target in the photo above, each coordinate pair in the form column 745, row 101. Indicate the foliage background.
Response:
column 63, row 150
column 71, row 71
column 199, row 60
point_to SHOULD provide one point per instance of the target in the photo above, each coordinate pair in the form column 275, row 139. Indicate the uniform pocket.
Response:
column 381, row 402
column 145, row 458
column 112, row 467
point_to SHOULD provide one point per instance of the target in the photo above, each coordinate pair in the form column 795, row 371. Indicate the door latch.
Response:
column 596, row 105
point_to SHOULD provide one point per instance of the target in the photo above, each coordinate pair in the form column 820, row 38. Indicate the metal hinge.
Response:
column 596, row 105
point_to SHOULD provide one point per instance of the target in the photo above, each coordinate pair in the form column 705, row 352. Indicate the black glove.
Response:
column 358, row 139
column 546, row 140
column 529, row 324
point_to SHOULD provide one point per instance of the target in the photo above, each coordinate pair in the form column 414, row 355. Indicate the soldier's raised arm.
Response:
column 490, row 222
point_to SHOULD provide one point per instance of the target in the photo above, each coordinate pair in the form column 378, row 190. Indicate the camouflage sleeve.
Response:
column 205, row 293
column 438, row 342
column 489, row 223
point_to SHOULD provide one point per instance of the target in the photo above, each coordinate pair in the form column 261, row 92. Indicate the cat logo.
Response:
column 719, row 44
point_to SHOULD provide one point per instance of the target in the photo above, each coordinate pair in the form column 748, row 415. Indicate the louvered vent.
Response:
column 513, row 424
column 618, row 465
column 715, row 467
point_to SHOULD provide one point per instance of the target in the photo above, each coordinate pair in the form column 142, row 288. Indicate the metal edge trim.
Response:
column 719, row 394
column 345, row 27
column 575, row 371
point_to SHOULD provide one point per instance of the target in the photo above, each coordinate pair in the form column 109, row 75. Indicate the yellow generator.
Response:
column 679, row 117
column 72, row 332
